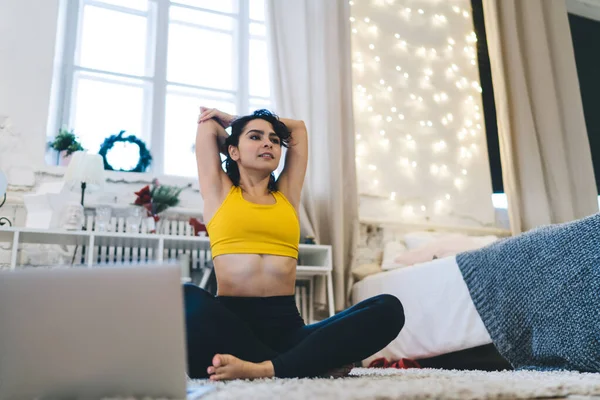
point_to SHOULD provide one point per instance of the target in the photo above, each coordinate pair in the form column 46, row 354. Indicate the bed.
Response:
column 440, row 315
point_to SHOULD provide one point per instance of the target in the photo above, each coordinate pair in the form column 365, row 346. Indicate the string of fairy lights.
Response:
column 416, row 98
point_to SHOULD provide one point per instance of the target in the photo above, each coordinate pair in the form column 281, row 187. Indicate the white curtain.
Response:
column 546, row 159
column 309, row 49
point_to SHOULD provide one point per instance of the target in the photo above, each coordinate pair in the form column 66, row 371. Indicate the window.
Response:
column 146, row 66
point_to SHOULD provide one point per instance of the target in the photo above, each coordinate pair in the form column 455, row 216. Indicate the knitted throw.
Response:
column 538, row 295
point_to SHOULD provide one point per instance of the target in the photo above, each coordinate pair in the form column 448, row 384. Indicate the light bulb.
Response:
column 382, row 132
column 465, row 14
column 414, row 164
column 401, row 116
column 381, row 81
column 428, row 71
column 372, row 46
column 397, row 36
column 464, row 171
column 389, row 119
column 451, row 41
column 408, row 137
column 370, row 97
column 393, row 109
column 398, row 68
column 444, row 121
column 377, row 58
column 372, row 167
column 393, row 196
column 406, row 75
column 423, row 208
column 354, row 30
column 456, row 9
column 367, row 20
column 448, row 197
column 370, row 108
column 352, row 19
column 412, row 96
column 421, row 11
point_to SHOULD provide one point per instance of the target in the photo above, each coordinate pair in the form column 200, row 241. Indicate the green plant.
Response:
column 66, row 141
column 159, row 198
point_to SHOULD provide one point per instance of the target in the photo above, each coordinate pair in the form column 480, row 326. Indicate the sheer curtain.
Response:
column 546, row 158
column 309, row 49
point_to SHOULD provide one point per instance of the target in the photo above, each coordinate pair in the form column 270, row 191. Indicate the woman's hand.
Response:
column 221, row 117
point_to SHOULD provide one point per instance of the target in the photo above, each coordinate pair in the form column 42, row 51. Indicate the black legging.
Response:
column 258, row 329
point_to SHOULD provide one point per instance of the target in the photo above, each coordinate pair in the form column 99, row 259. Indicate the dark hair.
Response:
column 284, row 134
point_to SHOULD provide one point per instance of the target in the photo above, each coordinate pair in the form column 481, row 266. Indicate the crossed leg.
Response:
column 221, row 345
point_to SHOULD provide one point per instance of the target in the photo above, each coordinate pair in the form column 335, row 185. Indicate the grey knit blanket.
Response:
column 538, row 295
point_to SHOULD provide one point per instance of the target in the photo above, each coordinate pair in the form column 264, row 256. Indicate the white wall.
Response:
column 28, row 39
column 421, row 146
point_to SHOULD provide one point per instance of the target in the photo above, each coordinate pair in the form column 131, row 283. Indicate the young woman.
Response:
column 252, row 328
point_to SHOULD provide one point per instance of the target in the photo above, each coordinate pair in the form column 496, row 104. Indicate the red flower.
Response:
column 144, row 196
column 144, row 199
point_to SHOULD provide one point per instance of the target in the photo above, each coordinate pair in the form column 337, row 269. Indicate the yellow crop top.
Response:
column 242, row 227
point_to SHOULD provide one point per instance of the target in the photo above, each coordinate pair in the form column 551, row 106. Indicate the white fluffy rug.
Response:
column 416, row 384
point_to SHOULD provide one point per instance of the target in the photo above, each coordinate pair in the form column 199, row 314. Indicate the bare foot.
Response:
column 227, row 367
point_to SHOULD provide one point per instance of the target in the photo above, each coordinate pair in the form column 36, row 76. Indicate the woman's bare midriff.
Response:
column 255, row 275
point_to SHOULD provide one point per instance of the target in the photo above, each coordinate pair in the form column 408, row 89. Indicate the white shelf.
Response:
column 313, row 260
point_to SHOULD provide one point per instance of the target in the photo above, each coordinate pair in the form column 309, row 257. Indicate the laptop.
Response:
column 88, row 333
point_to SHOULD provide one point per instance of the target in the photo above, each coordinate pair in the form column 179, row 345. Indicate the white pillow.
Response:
column 414, row 240
column 392, row 250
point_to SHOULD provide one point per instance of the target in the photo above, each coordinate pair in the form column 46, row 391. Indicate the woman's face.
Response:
column 259, row 147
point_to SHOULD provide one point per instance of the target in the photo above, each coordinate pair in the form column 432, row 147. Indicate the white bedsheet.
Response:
column 440, row 315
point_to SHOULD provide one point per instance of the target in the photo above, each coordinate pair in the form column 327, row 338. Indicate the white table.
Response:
column 313, row 260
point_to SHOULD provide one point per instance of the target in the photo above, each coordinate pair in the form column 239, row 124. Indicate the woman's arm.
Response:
column 291, row 180
column 210, row 140
column 223, row 119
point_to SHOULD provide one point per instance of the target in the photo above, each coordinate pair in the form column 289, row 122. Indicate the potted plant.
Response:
column 65, row 143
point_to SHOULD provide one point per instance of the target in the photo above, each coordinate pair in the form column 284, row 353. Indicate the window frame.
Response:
column 155, row 74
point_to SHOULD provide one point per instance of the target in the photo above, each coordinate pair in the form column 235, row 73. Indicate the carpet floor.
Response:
column 409, row 384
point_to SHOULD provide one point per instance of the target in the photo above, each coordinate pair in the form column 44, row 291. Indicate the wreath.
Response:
column 145, row 156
